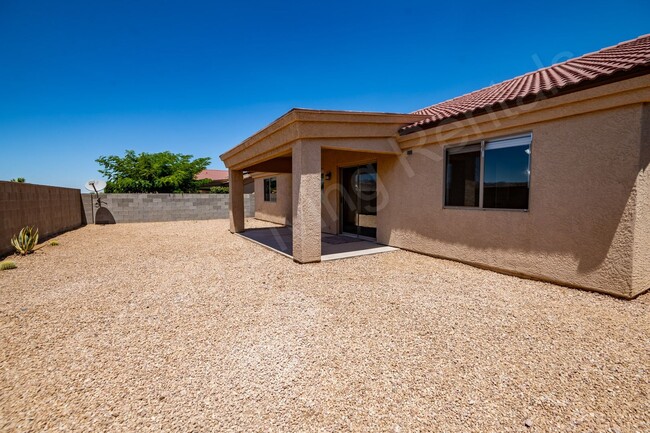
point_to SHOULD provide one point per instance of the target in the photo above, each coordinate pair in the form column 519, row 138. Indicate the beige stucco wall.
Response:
column 332, row 160
column 641, row 274
column 306, row 201
column 278, row 212
column 589, row 219
column 579, row 229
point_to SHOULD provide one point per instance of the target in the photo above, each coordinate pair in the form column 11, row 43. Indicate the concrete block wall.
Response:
column 132, row 208
column 51, row 209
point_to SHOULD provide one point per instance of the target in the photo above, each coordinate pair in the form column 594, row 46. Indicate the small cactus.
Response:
column 26, row 240
column 6, row 265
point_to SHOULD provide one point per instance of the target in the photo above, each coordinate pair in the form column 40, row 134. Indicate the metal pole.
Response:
column 92, row 207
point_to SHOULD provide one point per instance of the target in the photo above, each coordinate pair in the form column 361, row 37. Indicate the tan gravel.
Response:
column 185, row 327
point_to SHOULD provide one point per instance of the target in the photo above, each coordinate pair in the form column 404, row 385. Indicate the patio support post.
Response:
column 236, row 200
column 306, row 169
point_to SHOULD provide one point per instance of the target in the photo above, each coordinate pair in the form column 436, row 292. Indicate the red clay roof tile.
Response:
column 213, row 174
column 617, row 62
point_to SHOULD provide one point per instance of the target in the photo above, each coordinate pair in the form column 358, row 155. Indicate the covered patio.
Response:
column 313, row 145
column 333, row 247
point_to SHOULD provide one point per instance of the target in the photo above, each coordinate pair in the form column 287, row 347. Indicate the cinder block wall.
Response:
column 133, row 208
column 51, row 209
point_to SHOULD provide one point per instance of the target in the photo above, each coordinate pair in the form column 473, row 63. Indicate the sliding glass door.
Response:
column 359, row 200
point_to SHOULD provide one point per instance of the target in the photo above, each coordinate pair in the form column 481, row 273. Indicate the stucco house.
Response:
column 220, row 178
column 543, row 176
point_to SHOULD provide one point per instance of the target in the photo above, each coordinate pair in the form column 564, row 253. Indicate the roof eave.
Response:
column 289, row 126
column 617, row 76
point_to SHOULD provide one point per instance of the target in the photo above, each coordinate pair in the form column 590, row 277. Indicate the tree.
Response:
column 152, row 172
column 219, row 189
column 18, row 179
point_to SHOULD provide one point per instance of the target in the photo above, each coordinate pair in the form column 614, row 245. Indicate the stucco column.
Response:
column 236, row 200
column 306, row 167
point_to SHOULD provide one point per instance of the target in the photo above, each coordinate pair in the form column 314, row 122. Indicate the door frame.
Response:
column 340, row 168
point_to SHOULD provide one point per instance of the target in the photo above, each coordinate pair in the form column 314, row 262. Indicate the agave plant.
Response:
column 26, row 240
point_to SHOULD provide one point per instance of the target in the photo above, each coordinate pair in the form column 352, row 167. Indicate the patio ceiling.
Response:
column 280, row 164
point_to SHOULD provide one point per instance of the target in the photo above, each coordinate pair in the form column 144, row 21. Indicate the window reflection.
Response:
column 463, row 177
column 506, row 178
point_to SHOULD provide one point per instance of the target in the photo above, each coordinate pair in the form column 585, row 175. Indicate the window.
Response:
column 463, row 176
column 506, row 173
column 270, row 189
column 493, row 174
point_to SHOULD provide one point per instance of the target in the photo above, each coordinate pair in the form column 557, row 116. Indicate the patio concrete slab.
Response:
column 333, row 247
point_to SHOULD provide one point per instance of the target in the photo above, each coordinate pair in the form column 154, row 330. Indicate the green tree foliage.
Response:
column 18, row 179
column 219, row 190
column 152, row 172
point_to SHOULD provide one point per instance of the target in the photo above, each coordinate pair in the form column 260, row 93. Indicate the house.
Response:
column 220, row 178
column 544, row 176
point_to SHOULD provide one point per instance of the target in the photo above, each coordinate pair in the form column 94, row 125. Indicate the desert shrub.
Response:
column 25, row 241
column 6, row 265
column 219, row 190
column 54, row 243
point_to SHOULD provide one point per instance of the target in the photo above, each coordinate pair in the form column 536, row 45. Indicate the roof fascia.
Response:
column 621, row 93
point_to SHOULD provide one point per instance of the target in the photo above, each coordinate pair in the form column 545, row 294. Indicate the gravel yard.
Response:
column 183, row 326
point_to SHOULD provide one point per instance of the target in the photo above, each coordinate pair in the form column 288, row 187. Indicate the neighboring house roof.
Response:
column 213, row 175
column 624, row 60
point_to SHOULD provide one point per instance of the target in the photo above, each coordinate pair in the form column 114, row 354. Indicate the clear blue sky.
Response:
column 80, row 79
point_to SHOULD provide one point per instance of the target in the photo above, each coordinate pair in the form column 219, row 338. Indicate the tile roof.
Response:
column 213, row 175
column 609, row 64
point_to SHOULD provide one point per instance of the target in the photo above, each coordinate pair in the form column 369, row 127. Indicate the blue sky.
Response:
column 81, row 79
